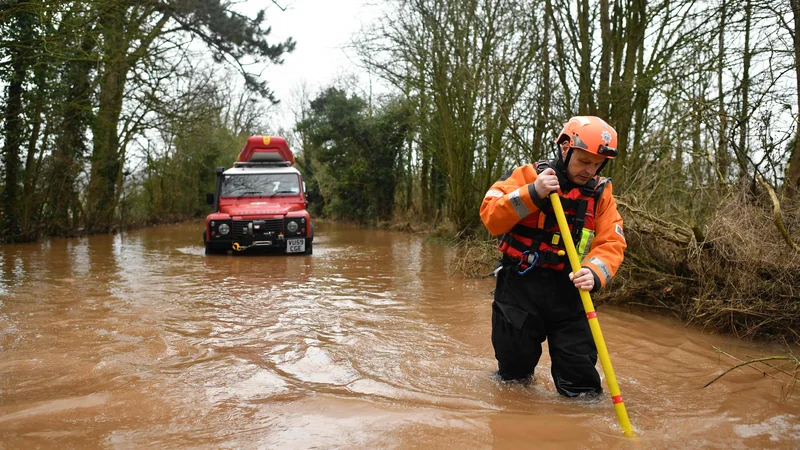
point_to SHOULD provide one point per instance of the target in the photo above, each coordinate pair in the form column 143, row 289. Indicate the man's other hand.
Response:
column 583, row 279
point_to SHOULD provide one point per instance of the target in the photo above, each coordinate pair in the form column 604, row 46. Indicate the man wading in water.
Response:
column 536, row 296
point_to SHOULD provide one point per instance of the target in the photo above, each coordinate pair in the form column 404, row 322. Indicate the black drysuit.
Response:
column 543, row 304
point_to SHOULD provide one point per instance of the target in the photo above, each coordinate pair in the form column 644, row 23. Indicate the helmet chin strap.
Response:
column 605, row 161
column 562, row 163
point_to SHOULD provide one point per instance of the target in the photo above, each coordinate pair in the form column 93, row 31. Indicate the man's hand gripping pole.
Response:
column 594, row 324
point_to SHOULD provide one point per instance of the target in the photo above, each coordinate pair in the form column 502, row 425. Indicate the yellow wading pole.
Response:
column 594, row 324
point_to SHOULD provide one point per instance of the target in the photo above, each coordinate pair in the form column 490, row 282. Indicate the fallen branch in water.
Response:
column 747, row 363
column 719, row 350
column 785, row 393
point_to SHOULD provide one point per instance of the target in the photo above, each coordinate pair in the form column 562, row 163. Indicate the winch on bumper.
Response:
column 287, row 234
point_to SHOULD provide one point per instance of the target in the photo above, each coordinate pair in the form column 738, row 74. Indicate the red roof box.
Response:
column 266, row 149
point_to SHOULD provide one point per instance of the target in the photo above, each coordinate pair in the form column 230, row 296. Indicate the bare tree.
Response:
column 467, row 65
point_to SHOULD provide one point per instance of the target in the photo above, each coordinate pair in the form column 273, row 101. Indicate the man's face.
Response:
column 583, row 166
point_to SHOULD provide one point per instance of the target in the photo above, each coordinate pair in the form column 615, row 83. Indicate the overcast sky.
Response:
column 322, row 30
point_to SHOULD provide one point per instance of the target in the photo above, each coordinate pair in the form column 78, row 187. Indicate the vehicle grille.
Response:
column 240, row 227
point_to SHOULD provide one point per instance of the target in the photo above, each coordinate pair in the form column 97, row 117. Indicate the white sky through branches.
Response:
column 323, row 31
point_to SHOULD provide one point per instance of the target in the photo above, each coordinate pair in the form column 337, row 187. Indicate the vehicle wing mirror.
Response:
column 209, row 198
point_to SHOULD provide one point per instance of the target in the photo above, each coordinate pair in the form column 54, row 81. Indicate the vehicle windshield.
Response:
column 260, row 185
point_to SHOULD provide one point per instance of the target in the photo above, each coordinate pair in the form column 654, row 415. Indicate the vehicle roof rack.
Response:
column 262, row 164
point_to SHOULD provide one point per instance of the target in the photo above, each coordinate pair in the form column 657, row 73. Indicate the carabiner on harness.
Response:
column 524, row 258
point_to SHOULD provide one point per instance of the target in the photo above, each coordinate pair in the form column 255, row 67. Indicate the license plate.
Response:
column 295, row 245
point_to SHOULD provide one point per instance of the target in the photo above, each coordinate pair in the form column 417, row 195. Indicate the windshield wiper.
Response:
column 246, row 193
column 282, row 192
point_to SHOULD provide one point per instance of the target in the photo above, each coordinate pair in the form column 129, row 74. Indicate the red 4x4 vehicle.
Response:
column 260, row 202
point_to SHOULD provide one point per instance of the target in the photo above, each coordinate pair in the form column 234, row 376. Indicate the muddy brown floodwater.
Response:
column 139, row 340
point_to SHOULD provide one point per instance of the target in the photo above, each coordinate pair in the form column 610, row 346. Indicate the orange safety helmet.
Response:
column 590, row 133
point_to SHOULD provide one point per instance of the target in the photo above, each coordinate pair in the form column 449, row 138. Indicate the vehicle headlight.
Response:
column 224, row 229
column 291, row 226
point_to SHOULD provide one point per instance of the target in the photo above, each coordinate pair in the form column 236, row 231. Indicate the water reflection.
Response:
column 5, row 274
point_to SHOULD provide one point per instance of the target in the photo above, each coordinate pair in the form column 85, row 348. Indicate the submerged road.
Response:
column 139, row 340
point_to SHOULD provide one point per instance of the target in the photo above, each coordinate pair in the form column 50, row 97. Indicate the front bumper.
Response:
column 268, row 233
column 259, row 233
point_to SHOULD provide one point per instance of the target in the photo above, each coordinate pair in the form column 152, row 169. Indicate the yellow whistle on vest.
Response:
column 561, row 253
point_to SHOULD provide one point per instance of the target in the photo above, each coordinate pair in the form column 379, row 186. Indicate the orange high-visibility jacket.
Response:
column 509, row 201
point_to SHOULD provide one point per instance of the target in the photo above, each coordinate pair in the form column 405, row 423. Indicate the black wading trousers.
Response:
column 543, row 304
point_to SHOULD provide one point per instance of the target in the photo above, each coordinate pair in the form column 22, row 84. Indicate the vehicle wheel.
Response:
column 309, row 248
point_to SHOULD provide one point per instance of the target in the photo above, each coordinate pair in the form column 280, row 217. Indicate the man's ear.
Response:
column 564, row 149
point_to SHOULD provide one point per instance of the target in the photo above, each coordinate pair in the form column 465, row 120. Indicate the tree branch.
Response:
column 746, row 363
column 776, row 213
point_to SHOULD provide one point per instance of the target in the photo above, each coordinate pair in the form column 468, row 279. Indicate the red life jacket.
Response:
column 536, row 239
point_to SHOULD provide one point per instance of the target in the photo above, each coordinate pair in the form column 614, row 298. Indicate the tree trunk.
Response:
column 723, row 157
column 603, row 100
column 792, row 184
column 424, row 189
column 408, row 165
column 745, row 92
column 13, row 130
column 622, row 111
column 29, row 229
column 543, row 105
column 107, row 163
column 585, row 94
column 101, row 195
column 70, row 148
column 561, row 69
column 640, row 103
